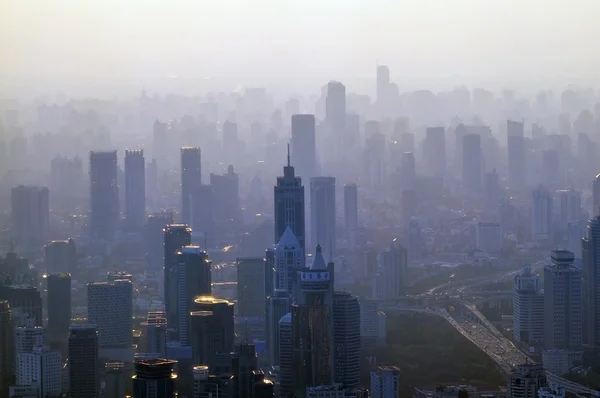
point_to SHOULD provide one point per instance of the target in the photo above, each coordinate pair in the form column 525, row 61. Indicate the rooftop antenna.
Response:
column 288, row 154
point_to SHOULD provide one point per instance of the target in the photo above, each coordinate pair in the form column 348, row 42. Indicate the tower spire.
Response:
column 288, row 154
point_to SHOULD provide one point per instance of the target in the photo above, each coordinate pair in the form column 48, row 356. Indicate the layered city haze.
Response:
column 299, row 199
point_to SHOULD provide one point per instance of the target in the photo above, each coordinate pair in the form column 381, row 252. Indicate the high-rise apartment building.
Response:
column 303, row 147
column 322, row 214
column 541, row 214
column 191, row 180
column 59, row 307
column 83, row 362
column 60, row 256
column 28, row 336
column 590, row 246
column 30, row 214
column 335, row 119
column 472, row 162
column 6, row 347
column 194, row 279
column 251, row 286
column 42, row 366
column 104, row 195
column 351, row 213
column 313, row 327
column 346, row 339
column 526, row 380
column 385, row 382
column 391, row 280
column 135, row 188
column 528, row 309
column 175, row 236
column 154, row 378
column 289, row 205
column 212, row 329
column 226, row 196
column 110, row 308
column 289, row 258
column 515, row 135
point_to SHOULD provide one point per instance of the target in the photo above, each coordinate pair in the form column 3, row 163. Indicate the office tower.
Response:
column 346, row 339
column 383, row 84
column 488, row 237
column 335, row 118
column 226, row 195
column 191, row 180
column 30, row 214
column 251, row 286
column 278, row 304
column 590, row 246
column 541, row 214
column 303, row 148
column 212, row 329
column 288, row 198
column 289, row 258
column 60, row 256
column 59, row 307
column 175, row 236
column 471, row 162
column 528, row 309
column 372, row 324
column 154, row 378
column 322, row 214
column 42, row 366
column 515, row 135
column 563, row 318
column 526, row 380
column 28, row 336
column 104, row 195
column 408, row 170
column 596, row 196
column 286, row 355
column 391, row 281
column 570, row 206
column 351, row 213
column 434, row 151
column 6, row 346
column 135, row 188
column 312, row 327
column 155, row 332
column 25, row 303
column 194, row 279
column 374, row 156
column 110, row 309
column 154, row 239
column 83, row 362
column 385, row 382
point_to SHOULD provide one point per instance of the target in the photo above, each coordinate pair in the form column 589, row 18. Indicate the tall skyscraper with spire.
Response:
column 289, row 204
column 289, row 259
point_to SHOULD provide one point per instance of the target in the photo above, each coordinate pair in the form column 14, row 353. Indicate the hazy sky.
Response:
column 145, row 39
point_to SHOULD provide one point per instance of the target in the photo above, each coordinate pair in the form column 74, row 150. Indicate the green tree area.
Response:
column 430, row 352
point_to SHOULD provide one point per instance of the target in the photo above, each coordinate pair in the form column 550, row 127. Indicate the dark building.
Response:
column 226, row 195
column 7, row 348
column 154, row 239
column 60, row 256
column 191, row 180
column 104, row 195
column 30, row 214
column 194, row 279
column 303, row 148
column 135, row 188
column 59, row 307
column 211, row 329
column 154, row 378
column 261, row 387
column 175, row 236
column 83, row 362
column 346, row 339
column 289, row 205
column 591, row 280
column 25, row 302
column 240, row 363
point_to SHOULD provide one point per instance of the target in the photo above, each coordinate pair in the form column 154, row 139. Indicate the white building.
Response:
column 385, row 382
column 42, row 366
column 488, row 237
column 289, row 258
column 528, row 309
column 28, row 337
column 541, row 214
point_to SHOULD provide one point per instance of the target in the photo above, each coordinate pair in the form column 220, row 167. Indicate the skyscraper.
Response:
column 104, row 195
column 528, row 309
column 28, row 336
column 154, row 378
column 154, row 239
column 212, row 329
column 155, row 333
column 541, row 214
column 434, row 150
column 591, row 280
column 251, row 286
column 515, row 135
column 335, row 118
column 286, row 355
column 175, row 236
column 6, row 347
column 30, row 214
column 383, row 84
column 570, row 206
column 110, row 308
column 60, row 256
column 391, row 281
column 289, row 258
column 278, row 304
column 351, row 213
column 194, row 279
column 288, row 198
column 322, row 214
column 471, row 162
column 42, row 366
column 59, row 307
column 191, row 180
column 83, row 362
column 596, row 196
column 346, row 339
column 312, row 327
column 135, row 188
column 226, row 195
column 303, row 148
